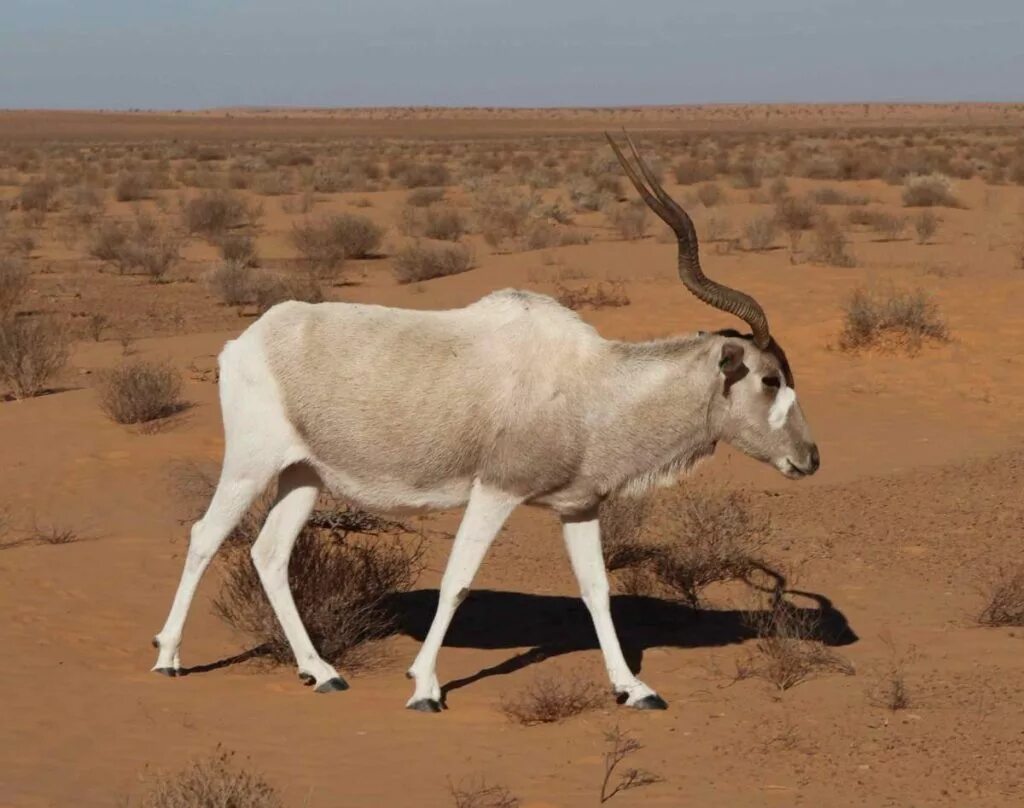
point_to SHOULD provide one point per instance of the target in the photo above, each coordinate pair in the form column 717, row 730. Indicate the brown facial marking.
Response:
column 731, row 365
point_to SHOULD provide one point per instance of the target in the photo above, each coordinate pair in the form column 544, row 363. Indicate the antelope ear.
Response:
column 731, row 359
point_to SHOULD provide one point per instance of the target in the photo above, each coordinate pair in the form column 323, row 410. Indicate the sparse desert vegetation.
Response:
column 550, row 699
column 216, row 781
column 341, row 585
column 134, row 245
column 140, row 391
column 880, row 316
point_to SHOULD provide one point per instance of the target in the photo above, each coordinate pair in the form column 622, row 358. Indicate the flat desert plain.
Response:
column 884, row 666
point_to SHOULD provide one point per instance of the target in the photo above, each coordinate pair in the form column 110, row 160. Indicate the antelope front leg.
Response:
column 583, row 541
column 485, row 514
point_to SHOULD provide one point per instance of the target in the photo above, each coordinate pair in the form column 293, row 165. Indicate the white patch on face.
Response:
column 784, row 401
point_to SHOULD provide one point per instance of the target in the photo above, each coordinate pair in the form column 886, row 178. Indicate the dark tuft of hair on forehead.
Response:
column 773, row 348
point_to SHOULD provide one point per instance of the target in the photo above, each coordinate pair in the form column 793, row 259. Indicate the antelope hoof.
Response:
column 332, row 685
column 172, row 672
column 425, row 706
column 651, row 702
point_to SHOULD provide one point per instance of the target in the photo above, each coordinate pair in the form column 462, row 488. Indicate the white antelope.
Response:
column 512, row 400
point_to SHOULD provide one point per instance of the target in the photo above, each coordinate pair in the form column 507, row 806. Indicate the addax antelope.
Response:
column 512, row 400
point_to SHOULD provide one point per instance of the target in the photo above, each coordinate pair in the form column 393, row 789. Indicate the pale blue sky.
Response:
column 201, row 53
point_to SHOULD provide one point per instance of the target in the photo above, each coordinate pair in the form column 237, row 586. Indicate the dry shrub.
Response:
column 233, row 283
column 926, row 224
column 32, row 351
column 38, row 195
column 97, row 324
column 746, row 174
column 107, row 240
column 602, row 295
column 593, row 193
column 272, row 289
column 620, row 746
column 239, row 248
column 888, row 226
column 342, row 586
column 436, row 221
column 929, row 190
column 701, row 538
column 212, row 213
column 424, row 197
column 480, row 795
column 502, row 214
column 151, row 253
column 549, row 699
column 140, row 391
column 796, row 214
column 760, row 233
column 689, row 171
column 541, row 235
column 130, row 186
column 710, row 194
column 909, row 317
column 789, row 650
column 422, row 261
column 834, row 196
column 1004, row 600
column 140, row 246
column 717, row 538
column 328, row 241
column 890, row 689
column 14, row 279
column 213, row 782
column 622, row 520
column 419, row 175
column 630, row 220
column 831, row 246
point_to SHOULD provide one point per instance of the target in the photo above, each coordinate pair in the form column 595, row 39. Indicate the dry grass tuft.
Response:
column 831, row 246
column 239, row 248
column 131, row 186
column 549, row 699
column 212, row 213
column 926, row 224
column 341, row 585
column 710, row 194
column 760, row 233
column 422, row 261
column 213, row 782
column 630, row 220
column 890, row 690
column 32, row 351
column 888, row 315
column 14, row 280
column 140, row 391
column 327, row 242
column 480, row 795
column 1004, row 600
column 929, row 190
column 789, row 651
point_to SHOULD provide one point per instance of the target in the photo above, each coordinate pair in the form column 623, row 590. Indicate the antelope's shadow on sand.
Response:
column 551, row 625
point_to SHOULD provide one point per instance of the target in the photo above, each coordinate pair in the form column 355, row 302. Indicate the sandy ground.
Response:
column 917, row 503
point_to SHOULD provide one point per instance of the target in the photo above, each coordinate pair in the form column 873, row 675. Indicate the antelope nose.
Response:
column 815, row 458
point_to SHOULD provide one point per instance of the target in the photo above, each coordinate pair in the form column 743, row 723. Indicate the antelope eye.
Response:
column 771, row 381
